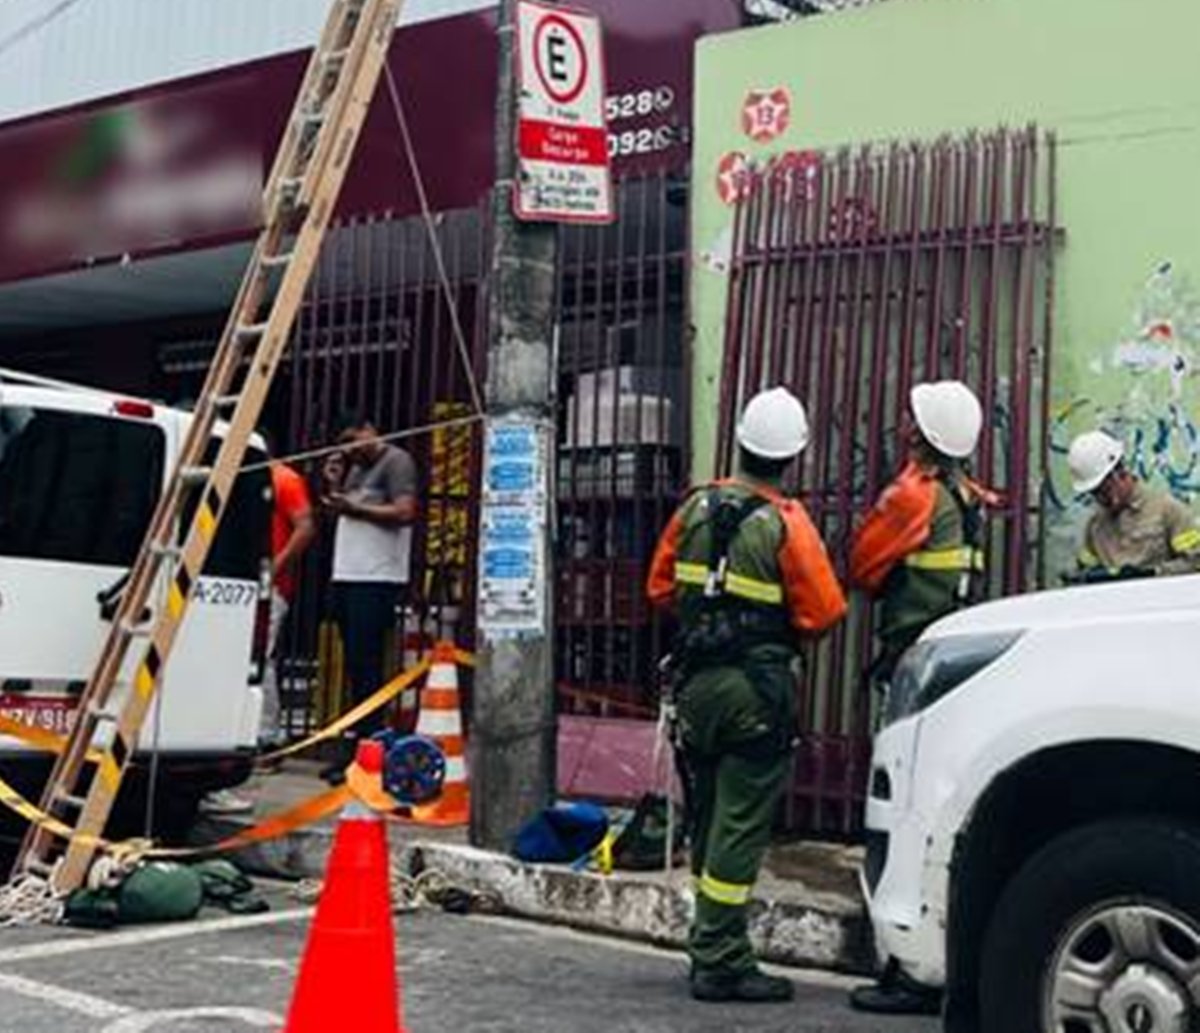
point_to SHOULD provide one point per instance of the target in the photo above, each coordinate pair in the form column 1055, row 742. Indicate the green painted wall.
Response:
column 1119, row 80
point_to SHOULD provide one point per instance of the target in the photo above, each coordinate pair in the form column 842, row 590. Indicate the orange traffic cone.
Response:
column 351, row 952
column 441, row 721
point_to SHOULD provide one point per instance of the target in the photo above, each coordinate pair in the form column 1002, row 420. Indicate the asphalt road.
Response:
column 459, row 974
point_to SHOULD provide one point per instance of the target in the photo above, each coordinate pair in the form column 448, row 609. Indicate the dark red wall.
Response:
column 446, row 73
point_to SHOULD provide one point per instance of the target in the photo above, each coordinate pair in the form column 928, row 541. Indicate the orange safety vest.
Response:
column 807, row 584
column 899, row 527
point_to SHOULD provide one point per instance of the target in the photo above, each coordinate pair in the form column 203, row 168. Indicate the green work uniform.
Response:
column 934, row 581
column 736, row 721
column 736, row 726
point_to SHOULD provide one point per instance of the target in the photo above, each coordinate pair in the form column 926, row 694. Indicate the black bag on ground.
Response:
column 641, row 846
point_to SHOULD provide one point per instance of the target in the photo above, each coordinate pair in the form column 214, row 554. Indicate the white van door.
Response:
column 78, row 485
column 208, row 702
column 79, row 478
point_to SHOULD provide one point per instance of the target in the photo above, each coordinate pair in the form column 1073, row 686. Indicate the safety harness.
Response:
column 967, row 559
column 732, row 612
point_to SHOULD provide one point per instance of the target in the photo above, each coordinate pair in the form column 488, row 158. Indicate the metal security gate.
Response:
column 854, row 275
column 623, row 435
column 375, row 334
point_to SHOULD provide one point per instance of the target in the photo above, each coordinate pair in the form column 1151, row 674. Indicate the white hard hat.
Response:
column 949, row 415
column 1093, row 456
column 774, row 425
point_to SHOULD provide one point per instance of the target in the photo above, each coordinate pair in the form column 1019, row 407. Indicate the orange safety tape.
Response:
column 368, row 706
column 39, row 738
column 304, row 813
column 51, row 742
column 16, row 803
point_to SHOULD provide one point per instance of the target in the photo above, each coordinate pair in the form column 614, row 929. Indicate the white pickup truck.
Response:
column 1034, row 812
column 80, row 473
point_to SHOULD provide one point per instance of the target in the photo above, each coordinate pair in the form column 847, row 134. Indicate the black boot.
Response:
column 753, row 987
column 896, row 994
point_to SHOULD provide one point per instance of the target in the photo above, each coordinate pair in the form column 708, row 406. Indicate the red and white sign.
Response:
column 734, row 178
column 766, row 114
column 564, row 170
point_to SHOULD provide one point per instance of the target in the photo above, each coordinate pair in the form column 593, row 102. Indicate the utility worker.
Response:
column 919, row 552
column 1135, row 532
column 749, row 580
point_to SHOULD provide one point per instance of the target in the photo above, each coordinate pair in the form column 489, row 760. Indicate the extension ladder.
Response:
column 307, row 177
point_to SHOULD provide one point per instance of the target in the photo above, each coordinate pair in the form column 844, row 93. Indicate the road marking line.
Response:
column 138, row 937
column 807, row 976
column 147, row 1020
column 266, row 963
column 70, row 1000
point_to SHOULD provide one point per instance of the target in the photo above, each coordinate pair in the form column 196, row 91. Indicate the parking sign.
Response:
column 564, row 171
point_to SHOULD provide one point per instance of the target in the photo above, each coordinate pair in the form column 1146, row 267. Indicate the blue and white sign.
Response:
column 512, row 574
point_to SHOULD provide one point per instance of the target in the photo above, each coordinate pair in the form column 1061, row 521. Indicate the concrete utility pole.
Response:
column 513, row 735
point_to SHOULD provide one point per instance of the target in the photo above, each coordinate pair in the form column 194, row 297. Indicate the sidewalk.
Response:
column 807, row 909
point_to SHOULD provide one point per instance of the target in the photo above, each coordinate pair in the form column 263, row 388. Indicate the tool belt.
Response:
column 722, row 633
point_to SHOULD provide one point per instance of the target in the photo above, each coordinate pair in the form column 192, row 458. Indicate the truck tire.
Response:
column 1099, row 930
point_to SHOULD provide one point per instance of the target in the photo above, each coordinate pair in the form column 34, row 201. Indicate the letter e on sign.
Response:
column 562, row 61
column 564, row 169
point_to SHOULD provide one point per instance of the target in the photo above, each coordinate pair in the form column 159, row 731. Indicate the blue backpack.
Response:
column 562, row 834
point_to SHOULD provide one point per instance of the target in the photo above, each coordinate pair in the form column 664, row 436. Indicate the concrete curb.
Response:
column 822, row 933
column 825, row 931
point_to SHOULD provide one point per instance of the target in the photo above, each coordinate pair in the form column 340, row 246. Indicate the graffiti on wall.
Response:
column 1145, row 390
column 1145, row 393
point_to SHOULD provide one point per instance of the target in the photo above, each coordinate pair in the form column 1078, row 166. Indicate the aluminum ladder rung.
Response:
column 137, row 629
column 250, row 331
column 191, row 476
column 107, row 714
column 312, row 118
column 279, row 261
column 78, row 802
column 289, row 188
column 166, row 552
column 39, row 867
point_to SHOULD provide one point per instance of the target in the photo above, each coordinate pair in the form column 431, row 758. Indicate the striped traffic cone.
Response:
column 441, row 721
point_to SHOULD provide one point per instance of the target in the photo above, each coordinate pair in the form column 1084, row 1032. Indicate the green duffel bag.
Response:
column 158, row 891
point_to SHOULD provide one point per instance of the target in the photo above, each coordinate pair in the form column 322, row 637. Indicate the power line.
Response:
column 35, row 25
column 435, row 243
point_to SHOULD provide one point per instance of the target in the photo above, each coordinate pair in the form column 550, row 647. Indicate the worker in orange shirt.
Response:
column 293, row 530
column 919, row 552
column 750, row 581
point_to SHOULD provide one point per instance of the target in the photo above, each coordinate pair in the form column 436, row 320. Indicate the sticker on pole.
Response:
column 564, row 171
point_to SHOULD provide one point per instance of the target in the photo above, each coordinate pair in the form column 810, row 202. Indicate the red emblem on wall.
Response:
column 733, row 177
column 766, row 114
column 798, row 172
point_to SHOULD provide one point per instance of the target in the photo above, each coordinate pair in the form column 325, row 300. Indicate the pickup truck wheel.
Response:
column 1099, row 933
